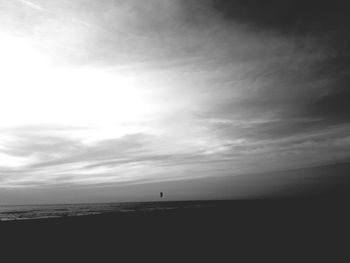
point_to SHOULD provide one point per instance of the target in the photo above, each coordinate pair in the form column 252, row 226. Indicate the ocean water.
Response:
column 24, row 212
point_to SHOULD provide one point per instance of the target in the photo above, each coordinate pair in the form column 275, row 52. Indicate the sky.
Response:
column 115, row 100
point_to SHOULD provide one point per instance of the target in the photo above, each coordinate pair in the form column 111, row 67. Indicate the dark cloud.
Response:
column 325, row 22
column 290, row 16
column 333, row 105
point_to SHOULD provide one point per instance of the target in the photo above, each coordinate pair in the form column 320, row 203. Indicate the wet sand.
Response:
column 298, row 230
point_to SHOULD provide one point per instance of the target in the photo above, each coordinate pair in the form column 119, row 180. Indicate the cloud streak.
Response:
column 32, row 5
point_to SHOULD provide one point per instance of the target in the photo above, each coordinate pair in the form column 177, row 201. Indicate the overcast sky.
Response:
column 97, row 96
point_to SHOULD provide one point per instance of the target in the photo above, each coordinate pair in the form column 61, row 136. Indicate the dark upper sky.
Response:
column 113, row 94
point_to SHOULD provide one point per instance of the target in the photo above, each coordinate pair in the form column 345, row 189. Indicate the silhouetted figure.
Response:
column 161, row 194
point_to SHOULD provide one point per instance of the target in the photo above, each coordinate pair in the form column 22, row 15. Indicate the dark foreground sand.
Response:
column 302, row 230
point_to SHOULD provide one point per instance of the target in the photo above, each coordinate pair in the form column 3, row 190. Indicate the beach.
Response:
column 246, row 230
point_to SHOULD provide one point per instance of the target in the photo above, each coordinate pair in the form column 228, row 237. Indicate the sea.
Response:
column 27, row 212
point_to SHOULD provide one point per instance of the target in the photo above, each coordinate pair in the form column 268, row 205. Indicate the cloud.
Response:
column 170, row 90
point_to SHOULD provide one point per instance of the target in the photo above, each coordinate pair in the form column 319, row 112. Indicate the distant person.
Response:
column 161, row 194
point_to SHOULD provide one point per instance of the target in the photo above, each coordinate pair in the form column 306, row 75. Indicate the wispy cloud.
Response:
column 32, row 5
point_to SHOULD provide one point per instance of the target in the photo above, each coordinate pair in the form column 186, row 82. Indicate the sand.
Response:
column 238, row 231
